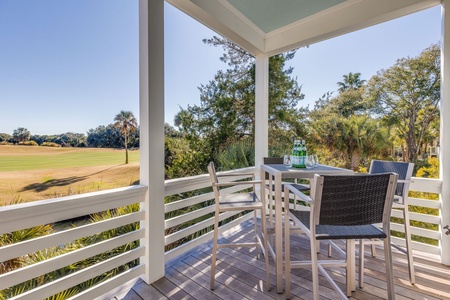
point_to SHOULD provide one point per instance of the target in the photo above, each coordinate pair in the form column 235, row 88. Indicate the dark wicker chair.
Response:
column 344, row 207
column 237, row 202
column 404, row 171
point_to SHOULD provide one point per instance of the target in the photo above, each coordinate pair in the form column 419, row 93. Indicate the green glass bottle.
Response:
column 295, row 154
column 304, row 154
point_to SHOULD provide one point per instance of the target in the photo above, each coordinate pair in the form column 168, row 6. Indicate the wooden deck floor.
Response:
column 241, row 276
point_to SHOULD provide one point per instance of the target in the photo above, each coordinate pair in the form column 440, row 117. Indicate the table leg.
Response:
column 278, row 234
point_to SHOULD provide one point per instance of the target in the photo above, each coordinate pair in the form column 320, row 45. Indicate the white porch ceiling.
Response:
column 275, row 26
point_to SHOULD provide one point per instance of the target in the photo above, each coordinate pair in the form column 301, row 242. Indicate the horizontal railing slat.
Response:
column 16, row 250
column 188, row 216
column 425, row 203
column 76, row 278
column 26, row 273
column 417, row 231
column 179, row 204
column 197, row 227
column 26, row 215
column 417, row 217
column 431, row 249
column 428, row 185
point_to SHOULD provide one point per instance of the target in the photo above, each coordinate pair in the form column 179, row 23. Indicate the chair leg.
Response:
column 314, row 269
column 287, row 258
column 265, row 245
column 409, row 255
column 361, row 263
column 214, row 250
column 389, row 271
column 255, row 228
column 374, row 251
column 350, row 271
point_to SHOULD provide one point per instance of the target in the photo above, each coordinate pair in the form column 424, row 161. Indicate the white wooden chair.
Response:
column 238, row 202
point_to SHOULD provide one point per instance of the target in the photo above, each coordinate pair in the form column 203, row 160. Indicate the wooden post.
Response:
column 444, row 157
column 151, row 113
column 261, row 108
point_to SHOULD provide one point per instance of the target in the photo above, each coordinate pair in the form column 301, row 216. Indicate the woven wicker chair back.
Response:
column 354, row 199
column 403, row 169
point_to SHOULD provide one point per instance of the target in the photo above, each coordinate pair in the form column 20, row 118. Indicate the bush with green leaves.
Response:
column 50, row 144
column 28, row 143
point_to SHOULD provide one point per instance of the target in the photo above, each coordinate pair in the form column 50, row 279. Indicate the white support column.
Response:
column 444, row 156
column 151, row 112
column 261, row 108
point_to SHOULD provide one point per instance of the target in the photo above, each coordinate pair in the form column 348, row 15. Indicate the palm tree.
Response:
column 351, row 82
column 127, row 123
column 360, row 137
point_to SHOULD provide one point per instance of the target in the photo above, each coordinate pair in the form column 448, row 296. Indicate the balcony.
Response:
column 187, row 261
column 181, row 270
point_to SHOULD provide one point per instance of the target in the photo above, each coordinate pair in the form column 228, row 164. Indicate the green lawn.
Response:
column 65, row 159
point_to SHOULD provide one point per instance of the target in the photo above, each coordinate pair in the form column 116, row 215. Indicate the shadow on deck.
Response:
column 241, row 276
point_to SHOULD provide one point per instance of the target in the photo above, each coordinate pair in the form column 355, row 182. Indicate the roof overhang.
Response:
column 235, row 23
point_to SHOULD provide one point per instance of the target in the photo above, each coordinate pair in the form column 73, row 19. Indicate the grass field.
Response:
column 30, row 173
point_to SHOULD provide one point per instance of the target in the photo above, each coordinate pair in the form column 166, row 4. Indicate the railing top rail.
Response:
column 26, row 215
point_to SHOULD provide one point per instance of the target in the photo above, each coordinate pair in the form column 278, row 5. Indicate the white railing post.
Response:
column 444, row 156
column 261, row 108
column 151, row 112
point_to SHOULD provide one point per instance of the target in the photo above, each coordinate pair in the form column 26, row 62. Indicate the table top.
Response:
column 303, row 172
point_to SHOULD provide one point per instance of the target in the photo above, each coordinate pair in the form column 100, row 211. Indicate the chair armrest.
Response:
column 299, row 194
column 237, row 183
column 404, row 181
column 237, row 174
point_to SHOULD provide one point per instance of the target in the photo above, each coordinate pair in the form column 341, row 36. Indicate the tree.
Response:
column 226, row 113
column 343, row 126
column 5, row 138
column 127, row 123
column 407, row 95
column 21, row 134
column 351, row 82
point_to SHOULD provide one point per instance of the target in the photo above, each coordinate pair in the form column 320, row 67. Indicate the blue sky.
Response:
column 69, row 66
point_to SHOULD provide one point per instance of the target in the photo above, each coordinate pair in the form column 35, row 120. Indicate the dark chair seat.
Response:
column 336, row 232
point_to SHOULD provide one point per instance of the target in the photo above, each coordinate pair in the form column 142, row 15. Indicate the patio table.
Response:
column 280, row 172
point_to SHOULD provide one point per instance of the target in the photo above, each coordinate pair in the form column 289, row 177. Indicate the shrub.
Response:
column 29, row 143
column 5, row 143
column 50, row 144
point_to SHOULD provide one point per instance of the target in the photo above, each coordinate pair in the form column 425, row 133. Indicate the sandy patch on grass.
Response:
column 52, row 183
column 8, row 150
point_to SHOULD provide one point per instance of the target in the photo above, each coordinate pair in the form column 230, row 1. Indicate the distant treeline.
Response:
column 100, row 137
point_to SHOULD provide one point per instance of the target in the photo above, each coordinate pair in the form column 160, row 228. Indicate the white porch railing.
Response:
column 424, row 185
column 188, row 223
column 27, row 215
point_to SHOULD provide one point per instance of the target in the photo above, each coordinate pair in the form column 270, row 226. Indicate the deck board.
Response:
column 240, row 275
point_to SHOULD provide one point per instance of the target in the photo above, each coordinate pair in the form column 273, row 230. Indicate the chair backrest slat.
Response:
column 354, row 199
